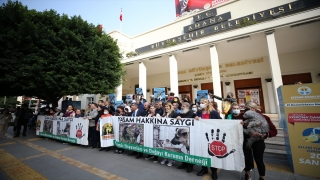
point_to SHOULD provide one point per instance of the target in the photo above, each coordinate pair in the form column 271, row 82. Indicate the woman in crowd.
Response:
column 94, row 140
column 152, row 113
column 5, row 118
column 168, row 113
column 258, row 147
column 234, row 112
column 186, row 113
column 194, row 108
column 69, row 112
column 104, row 115
column 121, row 112
column 207, row 112
column 78, row 113
column 51, row 112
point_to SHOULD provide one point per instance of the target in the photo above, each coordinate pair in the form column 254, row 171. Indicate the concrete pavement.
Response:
column 34, row 157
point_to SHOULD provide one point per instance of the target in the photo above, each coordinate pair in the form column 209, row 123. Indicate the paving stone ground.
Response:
column 34, row 157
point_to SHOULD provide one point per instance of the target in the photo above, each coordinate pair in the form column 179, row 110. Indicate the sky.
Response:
column 139, row 16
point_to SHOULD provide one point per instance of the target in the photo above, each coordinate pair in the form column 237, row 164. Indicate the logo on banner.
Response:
column 107, row 131
column 304, row 90
column 216, row 147
column 311, row 135
column 38, row 124
column 79, row 134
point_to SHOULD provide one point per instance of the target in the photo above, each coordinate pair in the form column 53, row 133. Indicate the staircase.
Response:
column 275, row 151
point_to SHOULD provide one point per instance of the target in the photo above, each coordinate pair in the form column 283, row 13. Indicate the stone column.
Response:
column 173, row 75
column 215, row 75
column 274, row 64
column 272, row 104
column 215, row 72
column 118, row 93
column 142, row 78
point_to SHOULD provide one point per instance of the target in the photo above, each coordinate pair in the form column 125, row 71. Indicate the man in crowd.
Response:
column 176, row 108
column 109, row 107
column 159, row 108
column 100, row 103
column 23, row 116
column 135, row 112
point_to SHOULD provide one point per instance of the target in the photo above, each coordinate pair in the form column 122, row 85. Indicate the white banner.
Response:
column 212, row 143
column 72, row 130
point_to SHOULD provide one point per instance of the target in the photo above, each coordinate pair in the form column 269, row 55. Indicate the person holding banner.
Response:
column 121, row 112
column 135, row 112
column 152, row 113
column 185, row 113
column 258, row 147
column 168, row 113
column 234, row 112
column 69, row 111
column 207, row 112
column 92, row 125
column 104, row 115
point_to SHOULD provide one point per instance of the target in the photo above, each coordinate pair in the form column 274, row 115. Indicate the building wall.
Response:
column 290, row 63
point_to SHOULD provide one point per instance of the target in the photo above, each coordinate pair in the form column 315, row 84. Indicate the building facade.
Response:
column 246, row 47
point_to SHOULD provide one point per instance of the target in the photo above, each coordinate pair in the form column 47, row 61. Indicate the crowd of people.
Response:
column 254, row 135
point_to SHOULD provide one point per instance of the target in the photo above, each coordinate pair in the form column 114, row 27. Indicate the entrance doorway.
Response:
column 249, row 90
column 186, row 91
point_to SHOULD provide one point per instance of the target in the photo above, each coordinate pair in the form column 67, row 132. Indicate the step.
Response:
column 274, row 151
column 275, row 145
column 278, row 138
column 280, row 131
column 276, row 123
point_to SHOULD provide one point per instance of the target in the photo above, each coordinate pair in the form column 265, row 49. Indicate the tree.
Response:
column 48, row 55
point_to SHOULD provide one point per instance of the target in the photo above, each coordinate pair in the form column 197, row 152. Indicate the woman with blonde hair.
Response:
column 207, row 112
column 168, row 113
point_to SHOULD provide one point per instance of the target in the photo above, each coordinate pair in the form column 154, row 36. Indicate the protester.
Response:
column 145, row 109
column 176, row 108
column 69, row 112
column 207, row 112
column 135, row 112
column 78, row 114
column 159, row 108
column 92, row 135
column 258, row 147
column 23, row 117
column 96, row 134
column 100, row 103
column 234, row 112
column 51, row 112
column 5, row 118
column 194, row 108
column 152, row 113
column 104, row 115
column 121, row 112
column 215, row 106
column 186, row 113
column 109, row 107
column 58, row 113
column 168, row 113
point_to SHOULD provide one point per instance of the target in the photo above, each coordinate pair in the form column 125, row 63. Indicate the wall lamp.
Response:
column 148, row 90
column 190, row 49
column 188, row 40
column 239, row 38
column 195, row 86
column 154, row 57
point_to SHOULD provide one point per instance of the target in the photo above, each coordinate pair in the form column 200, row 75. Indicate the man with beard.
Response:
column 186, row 113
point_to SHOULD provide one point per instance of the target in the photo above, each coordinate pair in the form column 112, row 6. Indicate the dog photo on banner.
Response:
column 170, row 138
column 131, row 133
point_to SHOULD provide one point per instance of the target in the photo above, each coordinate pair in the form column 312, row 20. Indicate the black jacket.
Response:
column 189, row 114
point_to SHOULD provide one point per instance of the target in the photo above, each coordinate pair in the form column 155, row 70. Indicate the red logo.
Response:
column 79, row 134
column 216, row 147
